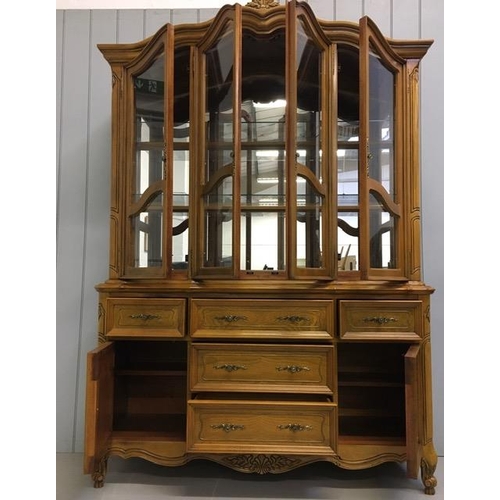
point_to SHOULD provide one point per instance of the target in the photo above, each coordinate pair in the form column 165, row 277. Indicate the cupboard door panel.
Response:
column 98, row 406
column 412, row 411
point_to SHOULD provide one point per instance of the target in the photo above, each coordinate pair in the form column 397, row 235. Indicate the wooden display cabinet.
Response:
column 264, row 307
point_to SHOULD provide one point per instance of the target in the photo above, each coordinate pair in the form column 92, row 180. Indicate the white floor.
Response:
column 136, row 479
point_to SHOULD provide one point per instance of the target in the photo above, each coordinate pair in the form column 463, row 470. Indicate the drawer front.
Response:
column 262, row 368
column 145, row 318
column 260, row 427
column 380, row 319
column 283, row 319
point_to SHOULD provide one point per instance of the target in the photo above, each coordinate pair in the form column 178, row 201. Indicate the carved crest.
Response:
column 262, row 464
column 263, row 4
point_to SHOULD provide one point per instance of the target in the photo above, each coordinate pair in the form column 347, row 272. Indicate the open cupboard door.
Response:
column 98, row 410
column 412, row 411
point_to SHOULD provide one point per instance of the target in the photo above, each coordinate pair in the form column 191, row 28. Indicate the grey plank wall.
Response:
column 83, row 161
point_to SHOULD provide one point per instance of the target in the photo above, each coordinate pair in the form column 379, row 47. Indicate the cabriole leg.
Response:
column 100, row 473
column 428, row 466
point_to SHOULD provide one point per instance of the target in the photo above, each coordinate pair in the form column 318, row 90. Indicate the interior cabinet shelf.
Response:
column 151, row 372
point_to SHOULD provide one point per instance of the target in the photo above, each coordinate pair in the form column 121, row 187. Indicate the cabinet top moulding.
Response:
column 263, row 21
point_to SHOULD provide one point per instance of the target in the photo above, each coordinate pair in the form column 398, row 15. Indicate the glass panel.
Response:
column 219, row 225
column 308, row 135
column 149, row 123
column 382, row 236
column 348, row 241
column 181, row 95
column 219, row 153
column 219, row 104
column 149, row 166
column 180, row 249
column 263, row 172
column 180, row 210
column 264, row 253
column 180, row 217
column 347, row 168
column 147, row 228
column 348, row 125
column 381, row 164
column 309, row 227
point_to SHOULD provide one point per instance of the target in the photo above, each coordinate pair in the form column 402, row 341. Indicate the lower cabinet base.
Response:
column 274, row 463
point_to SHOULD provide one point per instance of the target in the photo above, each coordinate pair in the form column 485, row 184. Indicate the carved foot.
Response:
column 430, row 482
column 100, row 473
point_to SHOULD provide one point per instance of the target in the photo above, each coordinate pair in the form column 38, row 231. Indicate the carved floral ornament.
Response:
column 263, row 4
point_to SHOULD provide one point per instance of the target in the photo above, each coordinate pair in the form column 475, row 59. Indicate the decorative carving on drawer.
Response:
column 381, row 320
column 295, row 427
column 228, row 427
column 145, row 317
column 230, row 368
column 229, row 318
column 293, row 368
column 262, row 464
column 292, row 319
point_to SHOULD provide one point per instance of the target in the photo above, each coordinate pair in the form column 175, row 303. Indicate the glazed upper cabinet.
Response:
column 266, row 144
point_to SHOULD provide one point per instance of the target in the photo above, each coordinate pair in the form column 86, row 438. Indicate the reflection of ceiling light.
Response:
column 279, row 103
column 267, row 180
column 268, row 154
column 302, row 153
column 352, row 139
column 274, row 180
column 268, row 202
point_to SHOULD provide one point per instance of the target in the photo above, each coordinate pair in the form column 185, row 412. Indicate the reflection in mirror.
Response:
column 309, row 244
column 180, row 222
column 383, row 238
column 309, row 227
column 219, row 153
column 219, row 225
column 263, row 185
column 180, row 177
column 348, row 241
column 381, row 164
column 263, row 171
column 347, row 175
column 263, row 253
column 149, row 125
column 147, row 227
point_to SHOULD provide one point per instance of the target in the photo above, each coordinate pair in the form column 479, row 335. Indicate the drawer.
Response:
column 380, row 319
column 262, row 368
column 246, row 426
column 145, row 318
column 262, row 319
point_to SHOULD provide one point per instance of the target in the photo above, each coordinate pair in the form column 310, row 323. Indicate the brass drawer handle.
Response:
column 292, row 319
column 230, row 368
column 145, row 316
column 293, row 368
column 379, row 319
column 228, row 427
column 295, row 427
column 230, row 318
